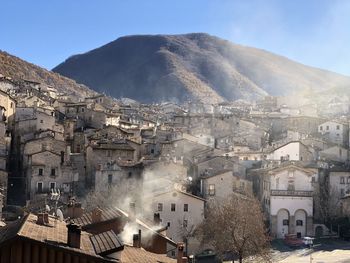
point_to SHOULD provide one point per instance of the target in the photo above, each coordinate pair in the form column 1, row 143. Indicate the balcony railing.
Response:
column 291, row 193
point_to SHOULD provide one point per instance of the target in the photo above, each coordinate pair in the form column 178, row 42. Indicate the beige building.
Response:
column 181, row 212
column 9, row 106
column 220, row 186
column 336, row 132
column 47, row 166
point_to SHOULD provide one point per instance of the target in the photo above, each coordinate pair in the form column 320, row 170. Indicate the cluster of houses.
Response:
column 169, row 162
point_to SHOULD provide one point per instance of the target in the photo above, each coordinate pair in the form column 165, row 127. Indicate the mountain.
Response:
column 153, row 68
column 16, row 68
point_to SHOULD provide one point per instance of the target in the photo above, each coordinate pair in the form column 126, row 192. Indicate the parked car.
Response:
column 308, row 241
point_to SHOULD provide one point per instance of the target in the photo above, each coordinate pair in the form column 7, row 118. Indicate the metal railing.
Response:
column 291, row 193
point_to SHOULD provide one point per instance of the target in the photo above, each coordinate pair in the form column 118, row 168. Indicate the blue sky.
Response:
column 313, row 32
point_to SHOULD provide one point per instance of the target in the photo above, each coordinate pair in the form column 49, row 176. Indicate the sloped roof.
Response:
column 108, row 214
column 139, row 255
column 106, row 243
column 54, row 234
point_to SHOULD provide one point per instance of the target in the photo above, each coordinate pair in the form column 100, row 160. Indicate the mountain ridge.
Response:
column 18, row 69
column 196, row 66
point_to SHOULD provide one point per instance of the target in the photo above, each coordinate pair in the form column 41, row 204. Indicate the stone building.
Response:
column 335, row 132
column 47, row 166
column 220, row 186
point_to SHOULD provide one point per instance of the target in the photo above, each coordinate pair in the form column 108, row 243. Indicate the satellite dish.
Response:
column 47, row 208
column 59, row 214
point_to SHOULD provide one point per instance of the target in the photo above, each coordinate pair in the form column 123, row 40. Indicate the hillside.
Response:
column 16, row 68
column 152, row 68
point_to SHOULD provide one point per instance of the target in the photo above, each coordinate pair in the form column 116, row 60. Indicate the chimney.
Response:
column 46, row 218
column 74, row 209
column 40, row 220
column 180, row 253
column 96, row 215
column 136, row 240
column 43, row 219
column 74, row 233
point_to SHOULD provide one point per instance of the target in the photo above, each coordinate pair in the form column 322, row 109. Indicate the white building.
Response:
column 291, row 151
column 290, row 199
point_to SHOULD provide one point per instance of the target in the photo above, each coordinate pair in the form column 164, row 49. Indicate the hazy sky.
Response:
column 46, row 32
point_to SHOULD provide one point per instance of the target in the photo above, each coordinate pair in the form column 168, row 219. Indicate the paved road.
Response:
column 325, row 251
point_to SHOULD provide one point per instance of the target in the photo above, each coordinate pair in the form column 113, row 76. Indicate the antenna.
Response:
column 59, row 214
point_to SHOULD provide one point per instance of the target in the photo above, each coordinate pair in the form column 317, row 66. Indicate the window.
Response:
column 185, row 223
column 185, row 207
column 338, row 127
column 41, row 171
column 342, row 192
column 242, row 185
column 313, row 179
column 291, row 185
column 342, row 180
column 52, row 185
column 285, row 222
column 348, row 180
column 327, row 127
column 53, row 172
column 40, row 187
column 321, row 128
column 41, row 121
column 211, row 189
column 299, row 222
column 168, row 224
column 82, row 109
column 160, row 207
column 173, row 206
column 110, row 179
column 129, row 174
column 62, row 157
column 108, row 153
column 11, row 105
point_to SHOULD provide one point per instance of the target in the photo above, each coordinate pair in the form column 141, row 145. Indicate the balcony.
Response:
column 291, row 193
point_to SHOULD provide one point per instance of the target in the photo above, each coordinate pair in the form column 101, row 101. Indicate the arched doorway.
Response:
column 300, row 223
column 319, row 231
column 282, row 223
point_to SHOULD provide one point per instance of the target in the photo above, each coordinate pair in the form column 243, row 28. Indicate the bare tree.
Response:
column 186, row 231
column 236, row 225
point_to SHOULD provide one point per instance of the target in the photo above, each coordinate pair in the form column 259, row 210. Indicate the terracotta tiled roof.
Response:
column 106, row 243
column 55, row 234
column 107, row 214
column 139, row 255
